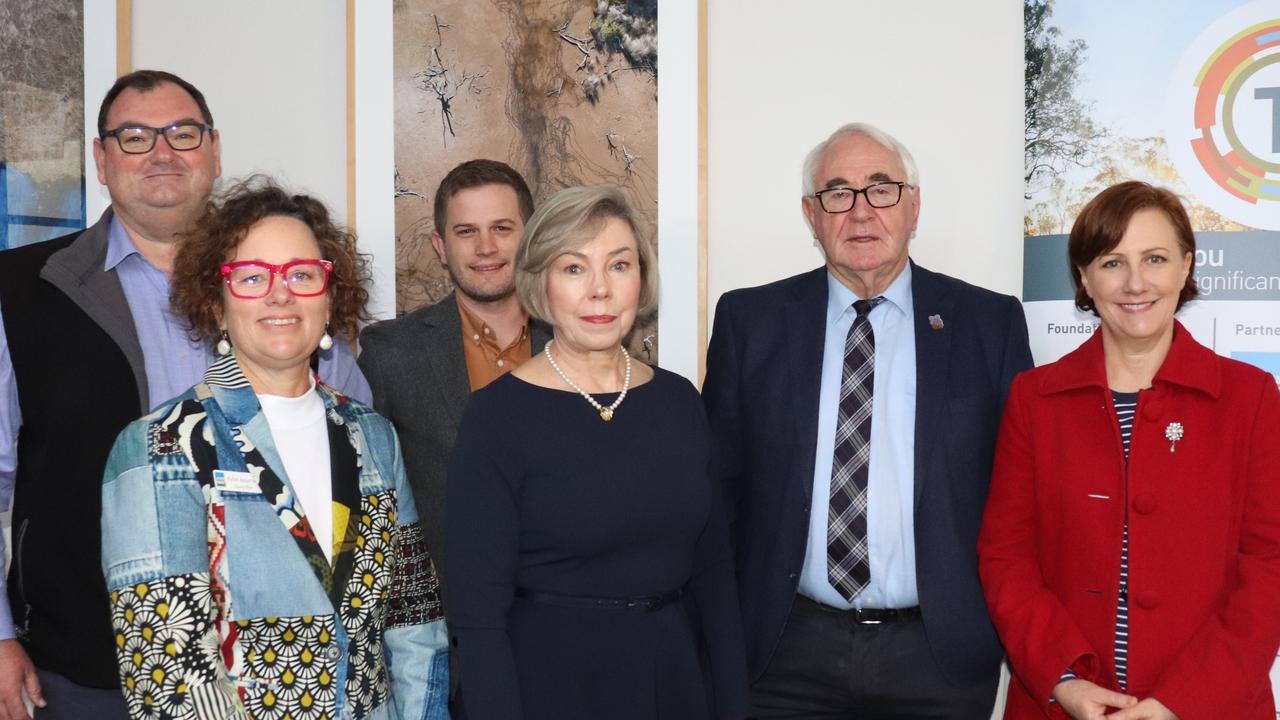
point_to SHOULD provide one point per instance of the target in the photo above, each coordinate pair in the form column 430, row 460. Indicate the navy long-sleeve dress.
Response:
column 544, row 497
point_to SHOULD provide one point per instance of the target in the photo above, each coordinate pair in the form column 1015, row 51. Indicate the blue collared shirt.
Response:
column 173, row 364
column 891, row 475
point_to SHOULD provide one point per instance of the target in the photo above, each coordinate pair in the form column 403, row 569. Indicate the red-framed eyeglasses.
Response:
column 250, row 279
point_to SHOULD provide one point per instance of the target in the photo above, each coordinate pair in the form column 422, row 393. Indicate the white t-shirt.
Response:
column 301, row 434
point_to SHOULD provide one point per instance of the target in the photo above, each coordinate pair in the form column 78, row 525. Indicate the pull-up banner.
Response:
column 1189, row 100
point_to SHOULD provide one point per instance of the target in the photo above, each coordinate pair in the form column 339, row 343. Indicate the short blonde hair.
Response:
column 565, row 222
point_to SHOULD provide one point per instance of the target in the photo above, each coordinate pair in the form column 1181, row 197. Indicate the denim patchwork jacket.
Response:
column 222, row 602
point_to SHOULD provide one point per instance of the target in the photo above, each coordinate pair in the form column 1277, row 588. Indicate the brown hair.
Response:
column 568, row 220
column 146, row 81
column 474, row 174
column 1101, row 225
column 197, row 286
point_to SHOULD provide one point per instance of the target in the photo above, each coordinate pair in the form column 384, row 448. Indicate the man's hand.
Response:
column 17, row 674
column 1084, row 700
column 1149, row 709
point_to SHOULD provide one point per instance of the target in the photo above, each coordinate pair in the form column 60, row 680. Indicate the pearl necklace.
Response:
column 606, row 413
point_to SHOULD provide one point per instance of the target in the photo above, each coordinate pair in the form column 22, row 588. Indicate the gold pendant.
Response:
column 606, row 414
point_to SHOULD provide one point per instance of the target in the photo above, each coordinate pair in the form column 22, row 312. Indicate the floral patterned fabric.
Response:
column 222, row 600
column 168, row 667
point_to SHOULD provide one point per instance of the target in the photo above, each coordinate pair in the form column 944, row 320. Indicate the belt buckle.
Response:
column 859, row 619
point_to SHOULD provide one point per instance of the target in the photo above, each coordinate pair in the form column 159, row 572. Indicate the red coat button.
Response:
column 1144, row 504
column 1146, row 600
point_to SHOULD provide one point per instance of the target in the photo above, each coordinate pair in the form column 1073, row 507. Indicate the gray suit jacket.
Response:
column 416, row 367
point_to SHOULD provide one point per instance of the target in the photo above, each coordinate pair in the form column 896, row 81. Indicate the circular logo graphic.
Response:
column 1224, row 115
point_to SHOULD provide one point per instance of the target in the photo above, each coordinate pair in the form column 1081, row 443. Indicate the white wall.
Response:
column 99, row 75
column 274, row 73
column 944, row 78
column 374, row 151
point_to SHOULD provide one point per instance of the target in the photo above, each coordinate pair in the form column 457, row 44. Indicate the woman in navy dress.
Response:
column 590, row 574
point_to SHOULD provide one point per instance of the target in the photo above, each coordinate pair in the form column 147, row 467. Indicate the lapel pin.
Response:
column 1173, row 433
column 935, row 322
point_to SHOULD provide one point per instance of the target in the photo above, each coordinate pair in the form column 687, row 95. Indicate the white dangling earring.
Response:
column 326, row 340
column 224, row 345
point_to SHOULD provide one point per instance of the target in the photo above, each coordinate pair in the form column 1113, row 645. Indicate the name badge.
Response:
column 232, row 481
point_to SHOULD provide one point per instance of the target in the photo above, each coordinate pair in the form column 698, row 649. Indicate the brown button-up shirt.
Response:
column 485, row 360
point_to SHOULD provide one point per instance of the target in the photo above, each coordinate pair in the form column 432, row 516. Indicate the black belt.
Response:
column 875, row 616
column 646, row 603
column 868, row 616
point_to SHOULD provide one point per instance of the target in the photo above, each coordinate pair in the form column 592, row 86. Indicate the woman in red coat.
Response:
column 1130, row 550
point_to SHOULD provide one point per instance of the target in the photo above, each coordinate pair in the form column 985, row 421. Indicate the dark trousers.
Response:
column 827, row 666
column 69, row 701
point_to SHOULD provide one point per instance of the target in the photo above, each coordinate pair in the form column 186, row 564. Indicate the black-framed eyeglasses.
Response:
column 251, row 279
column 879, row 195
column 138, row 139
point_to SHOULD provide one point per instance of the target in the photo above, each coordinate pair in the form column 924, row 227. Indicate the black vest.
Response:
column 77, row 391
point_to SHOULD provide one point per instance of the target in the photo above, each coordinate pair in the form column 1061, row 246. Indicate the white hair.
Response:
column 815, row 156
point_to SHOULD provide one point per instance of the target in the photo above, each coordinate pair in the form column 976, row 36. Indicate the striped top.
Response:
column 1126, row 404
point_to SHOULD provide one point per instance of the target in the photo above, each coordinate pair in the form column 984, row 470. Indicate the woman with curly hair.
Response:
column 260, row 542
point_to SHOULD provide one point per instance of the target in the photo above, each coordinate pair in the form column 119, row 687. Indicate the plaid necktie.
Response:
column 848, row 558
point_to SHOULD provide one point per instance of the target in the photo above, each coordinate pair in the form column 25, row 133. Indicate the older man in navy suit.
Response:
column 854, row 411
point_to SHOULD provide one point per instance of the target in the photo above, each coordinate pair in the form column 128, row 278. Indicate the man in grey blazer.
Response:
column 87, row 344
column 423, row 366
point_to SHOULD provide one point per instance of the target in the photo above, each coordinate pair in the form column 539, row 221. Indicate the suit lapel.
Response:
column 805, row 320
column 278, row 491
column 245, row 445
column 933, row 359
column 344, row 476
column 442, row 347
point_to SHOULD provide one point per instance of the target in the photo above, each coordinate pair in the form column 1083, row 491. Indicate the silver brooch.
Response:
column 1173, row 433
column 935, row 322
